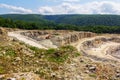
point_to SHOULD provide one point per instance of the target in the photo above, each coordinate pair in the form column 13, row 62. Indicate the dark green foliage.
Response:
column 78, row 20
column 24, row 17
column 93, row 23
column 86, row 20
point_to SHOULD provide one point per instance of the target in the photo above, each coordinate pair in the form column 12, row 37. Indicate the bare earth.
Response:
column 25, row 39
column 78, row 68
column 100, row 51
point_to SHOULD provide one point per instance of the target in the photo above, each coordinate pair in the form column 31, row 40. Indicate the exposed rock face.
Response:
column 72, row 37
column 114, row 51
column 104, row 48
column 99, row 41
column 58, row 38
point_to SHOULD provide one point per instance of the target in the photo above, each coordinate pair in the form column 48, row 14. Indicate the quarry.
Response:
column 41, row 55
column 104, row 47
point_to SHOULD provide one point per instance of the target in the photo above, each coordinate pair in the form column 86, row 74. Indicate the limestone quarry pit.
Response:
column 92, row 45
column 102, row 48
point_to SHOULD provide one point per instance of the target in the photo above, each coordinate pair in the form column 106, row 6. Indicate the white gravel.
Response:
column 24, row 39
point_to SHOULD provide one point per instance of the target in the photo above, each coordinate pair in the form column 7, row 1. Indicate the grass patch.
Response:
column 68, row 48
column 77, row 54
column 38, row 52
column 10, row 52
column 55, row 57
column 61, row 54
column 34, row 48
column 93, row 75
column 7, row 51
column 51, row 51
column 58, row 55
column 1, row 70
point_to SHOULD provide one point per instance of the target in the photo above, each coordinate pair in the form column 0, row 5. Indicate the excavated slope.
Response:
column 49, row 38
column 101, row 47
column 98, row 47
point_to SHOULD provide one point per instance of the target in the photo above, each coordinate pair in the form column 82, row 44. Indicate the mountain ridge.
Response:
column 73, row 19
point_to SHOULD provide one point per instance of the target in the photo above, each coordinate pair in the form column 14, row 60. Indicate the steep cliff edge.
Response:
column 53, row 38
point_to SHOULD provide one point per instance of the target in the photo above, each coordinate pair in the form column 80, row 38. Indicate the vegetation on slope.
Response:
column 86, row 20
column 57, row 55
column 93, row 23
column 52, row 64
column 78, row 20
column 32, row 25
column 17, row 57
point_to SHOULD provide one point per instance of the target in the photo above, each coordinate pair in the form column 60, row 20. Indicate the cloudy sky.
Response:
column 60, row 6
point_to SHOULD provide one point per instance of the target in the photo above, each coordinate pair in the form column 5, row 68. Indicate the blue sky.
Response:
column 60, row 6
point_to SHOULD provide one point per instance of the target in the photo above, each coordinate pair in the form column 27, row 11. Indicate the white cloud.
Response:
column 71, row 0
column 103, row 7
column 110, row 7
column 46, row 10
column 15, row 8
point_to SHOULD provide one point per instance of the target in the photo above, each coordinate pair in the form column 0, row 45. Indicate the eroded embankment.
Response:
column 49, row 38
column 102, row 48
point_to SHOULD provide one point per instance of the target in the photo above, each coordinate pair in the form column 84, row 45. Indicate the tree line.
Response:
column 10, row 23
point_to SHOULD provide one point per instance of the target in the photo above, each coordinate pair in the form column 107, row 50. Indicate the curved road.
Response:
column 100, row 51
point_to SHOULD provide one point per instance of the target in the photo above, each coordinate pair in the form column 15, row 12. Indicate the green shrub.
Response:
column 51, row 51
column 10, row 52
column 34, row 48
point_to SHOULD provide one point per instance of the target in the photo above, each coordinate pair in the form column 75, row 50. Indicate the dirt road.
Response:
column 25, row 39
column 99, row 51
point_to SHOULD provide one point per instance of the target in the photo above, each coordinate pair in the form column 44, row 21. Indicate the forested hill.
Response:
column 78, row 20
column 92, row 23
column 85, row 20
column 25, row 17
